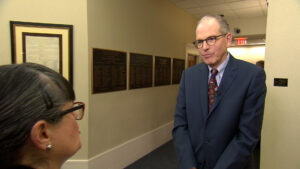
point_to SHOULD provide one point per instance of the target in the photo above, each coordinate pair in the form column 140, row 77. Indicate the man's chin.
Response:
column 209, row 62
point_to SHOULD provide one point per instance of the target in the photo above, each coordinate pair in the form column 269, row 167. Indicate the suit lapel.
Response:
column 203, row 86
column 228, row 77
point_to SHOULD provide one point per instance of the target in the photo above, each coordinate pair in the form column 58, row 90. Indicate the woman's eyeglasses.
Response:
column 77, row 110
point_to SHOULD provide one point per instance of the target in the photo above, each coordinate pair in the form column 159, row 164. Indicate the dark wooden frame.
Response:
column 21, row 30
column 109, row 70
column 162, row 71
column 178, row 68
column 141, row 71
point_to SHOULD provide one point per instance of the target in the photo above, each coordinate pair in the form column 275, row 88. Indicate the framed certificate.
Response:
column 47, row 44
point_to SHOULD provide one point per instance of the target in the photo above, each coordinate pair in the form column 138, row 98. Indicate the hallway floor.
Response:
column 163, row 157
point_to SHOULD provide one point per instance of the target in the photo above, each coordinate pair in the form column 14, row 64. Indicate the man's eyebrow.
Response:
column 207, row 38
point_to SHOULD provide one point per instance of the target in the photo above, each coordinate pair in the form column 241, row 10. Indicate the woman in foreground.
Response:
column 38, row 128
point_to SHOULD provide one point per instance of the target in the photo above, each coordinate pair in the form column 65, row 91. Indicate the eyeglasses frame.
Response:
column 216, row 37
column 80, row 106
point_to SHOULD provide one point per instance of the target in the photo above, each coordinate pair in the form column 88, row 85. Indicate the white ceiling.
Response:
column 231, row 9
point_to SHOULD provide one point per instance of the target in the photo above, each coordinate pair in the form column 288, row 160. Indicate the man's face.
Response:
column 215, row 54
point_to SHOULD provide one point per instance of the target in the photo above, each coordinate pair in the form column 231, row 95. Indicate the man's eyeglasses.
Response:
column 209, row 41
column 77, row 110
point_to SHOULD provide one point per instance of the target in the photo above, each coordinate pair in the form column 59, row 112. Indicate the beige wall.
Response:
column 250, row 26
column 71, row 12
column 154, row 27
column 281, row 129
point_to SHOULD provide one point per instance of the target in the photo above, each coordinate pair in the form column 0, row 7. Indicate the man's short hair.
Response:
column 224, row 26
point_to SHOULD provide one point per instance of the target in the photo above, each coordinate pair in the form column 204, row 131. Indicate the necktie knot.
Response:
column 214, row 72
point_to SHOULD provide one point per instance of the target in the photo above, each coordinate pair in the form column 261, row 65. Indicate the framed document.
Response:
column 178, row 67
column 109, row 70
column 141, row 70
column 162, row 71
column 47, row 44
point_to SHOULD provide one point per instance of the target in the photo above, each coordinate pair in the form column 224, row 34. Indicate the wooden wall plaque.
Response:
column 141, row 70
column 109, row 70
column 162, row 71
column 178, row 67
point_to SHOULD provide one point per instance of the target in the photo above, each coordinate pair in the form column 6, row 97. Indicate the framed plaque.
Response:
column 47, row 44
column 141, row 70
column 162, row 71
column 109, row 70
column 178, row 67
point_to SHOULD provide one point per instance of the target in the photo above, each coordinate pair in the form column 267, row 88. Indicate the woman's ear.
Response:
column 40, row 134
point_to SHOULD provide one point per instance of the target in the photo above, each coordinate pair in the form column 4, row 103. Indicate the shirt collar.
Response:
column 222, row 66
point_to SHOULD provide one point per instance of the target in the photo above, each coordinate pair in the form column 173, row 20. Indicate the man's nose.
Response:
column 205, row 45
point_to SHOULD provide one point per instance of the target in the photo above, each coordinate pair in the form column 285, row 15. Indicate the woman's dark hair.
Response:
column 28, row 93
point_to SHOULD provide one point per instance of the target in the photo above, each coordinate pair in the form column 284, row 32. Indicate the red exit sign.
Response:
column 240, row 41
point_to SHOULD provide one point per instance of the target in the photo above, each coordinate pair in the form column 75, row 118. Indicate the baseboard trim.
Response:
column 123, row 155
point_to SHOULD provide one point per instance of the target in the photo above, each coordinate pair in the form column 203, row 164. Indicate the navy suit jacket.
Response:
column 225, row 137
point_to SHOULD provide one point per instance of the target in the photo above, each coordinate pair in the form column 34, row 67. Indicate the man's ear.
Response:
column 229, row 39
column 40, row 135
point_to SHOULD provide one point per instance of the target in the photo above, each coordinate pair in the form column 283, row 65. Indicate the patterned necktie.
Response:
column 212, row 88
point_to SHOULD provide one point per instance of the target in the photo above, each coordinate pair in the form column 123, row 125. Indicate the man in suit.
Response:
column 223, row 135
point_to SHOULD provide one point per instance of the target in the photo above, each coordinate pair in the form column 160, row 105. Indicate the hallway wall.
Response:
column 155, row 27
column 281, row 129
column 249, row 26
